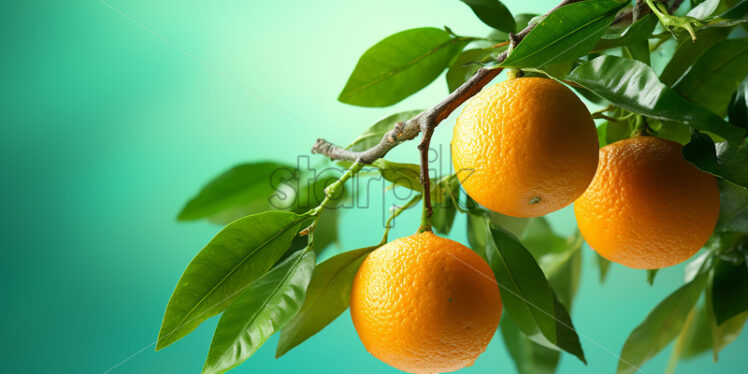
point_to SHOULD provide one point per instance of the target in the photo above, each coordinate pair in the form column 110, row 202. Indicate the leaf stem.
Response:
column 388, row 225
column 330, row 192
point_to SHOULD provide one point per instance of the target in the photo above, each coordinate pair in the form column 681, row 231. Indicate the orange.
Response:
column 425, row 304
column 525, row 147
column 647, row 207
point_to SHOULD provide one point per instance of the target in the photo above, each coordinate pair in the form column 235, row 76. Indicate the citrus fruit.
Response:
column 525, row 147
column 647, row 207
column 425, row 304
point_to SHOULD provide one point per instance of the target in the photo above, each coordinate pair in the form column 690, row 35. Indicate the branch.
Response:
column 425, row 122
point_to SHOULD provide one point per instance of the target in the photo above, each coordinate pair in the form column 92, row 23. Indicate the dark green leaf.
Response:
column 266, row 306
column 465, row 66
column 328, row 296
column 528, row 356
column 240, row 253
column 738, row 11
column 603, row 265
column 638, row 51
column 738, row 108
column 637, row 32
column 716, row 75
column 730, row 288
column 632, row 85
column 660, row 327
column 723, row 334
column 374, row 134
column 247, row 188
column 687, row 52
column 724, row 159
column 733, row 208
column 493, row 13
column 400, row 65
column 527, row 296
column 567, row 33
column 651, row 274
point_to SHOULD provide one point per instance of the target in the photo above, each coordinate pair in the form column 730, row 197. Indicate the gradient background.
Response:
column 112, row 118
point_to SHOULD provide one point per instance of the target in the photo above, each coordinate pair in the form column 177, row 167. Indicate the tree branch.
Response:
column 425, row 122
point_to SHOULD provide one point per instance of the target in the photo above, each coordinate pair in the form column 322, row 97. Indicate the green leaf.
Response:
column 737, row 111
column 632, row 85
column 637, row 32
column 567, row 33
column 698, row 338
column 240, row 253
column 716, row 75
column 465, row 66
column 733, row 208
column 444, row 195
column 638, row 51
column 723, row 334
column 515, row 225
column 724, row 160
column 528, row 356
column 400, row 65
column 328, row 296
column 246, row 187
column 374, row 134
column 404, row 175
column 688, row 51
column 660, row 327
column 527, row 296
column 267, row 305
column 603, row 265
column 703, row 10
column 729, row 289
column 651, row 274
column 738, row 11
column 493, row 13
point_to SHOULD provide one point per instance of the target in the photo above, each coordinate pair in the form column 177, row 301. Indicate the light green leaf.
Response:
column 567, row 33
column 374, row 134
column 660, row 327
column 444, row 196
column 328, row 296
column 716, row 75
column 404, row 175
column 466, row 65
column 400, row 65
column 493, row 13
column 240, row 253
column 267, row 305
column 247, row 188
column 632, row 85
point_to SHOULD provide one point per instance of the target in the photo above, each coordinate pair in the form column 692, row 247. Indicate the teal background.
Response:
column 113, row 114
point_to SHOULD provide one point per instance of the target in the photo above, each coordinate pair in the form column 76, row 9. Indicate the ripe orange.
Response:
column 425, row 304
column 647, row 207
column 525, row 147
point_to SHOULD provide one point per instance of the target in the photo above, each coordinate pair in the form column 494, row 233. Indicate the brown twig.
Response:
column 425, row 122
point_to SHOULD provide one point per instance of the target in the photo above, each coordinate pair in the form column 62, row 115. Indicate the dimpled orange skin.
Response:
column 525, row 147
column 425, row 304
column 647, row 207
